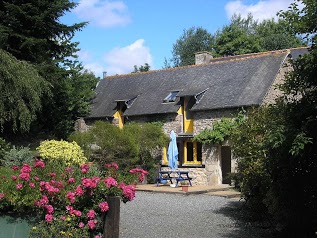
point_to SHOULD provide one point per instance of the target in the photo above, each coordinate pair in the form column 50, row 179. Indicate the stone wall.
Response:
column 274, row 92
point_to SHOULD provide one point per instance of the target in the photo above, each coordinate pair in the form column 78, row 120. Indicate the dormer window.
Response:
column 200, row 95
column 171, row 97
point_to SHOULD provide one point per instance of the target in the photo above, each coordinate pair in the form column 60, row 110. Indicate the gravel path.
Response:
column 175, row 215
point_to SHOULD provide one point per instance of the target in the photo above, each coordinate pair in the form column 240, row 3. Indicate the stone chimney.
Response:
column 203, row 57
column 104, row 74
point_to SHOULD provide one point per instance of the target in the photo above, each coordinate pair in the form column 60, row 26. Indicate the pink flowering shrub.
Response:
column 59, row 194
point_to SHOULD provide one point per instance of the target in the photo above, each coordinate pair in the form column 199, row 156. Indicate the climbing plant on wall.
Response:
column 221, row 130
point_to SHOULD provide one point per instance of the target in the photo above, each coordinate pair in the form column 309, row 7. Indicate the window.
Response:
column 171, row 97
column 192, row 152
column 200, row 95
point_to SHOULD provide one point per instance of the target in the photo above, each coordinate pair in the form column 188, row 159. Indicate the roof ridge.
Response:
column 216, row 61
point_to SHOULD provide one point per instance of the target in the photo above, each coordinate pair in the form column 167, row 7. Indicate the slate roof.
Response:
column 234, row 81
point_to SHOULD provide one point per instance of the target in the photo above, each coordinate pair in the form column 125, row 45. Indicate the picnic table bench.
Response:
column 164, row 176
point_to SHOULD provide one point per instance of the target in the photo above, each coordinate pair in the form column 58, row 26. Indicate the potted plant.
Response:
column 185, row 185
column 68, row 199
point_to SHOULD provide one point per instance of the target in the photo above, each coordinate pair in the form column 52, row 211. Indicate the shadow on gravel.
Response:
column 243, row 226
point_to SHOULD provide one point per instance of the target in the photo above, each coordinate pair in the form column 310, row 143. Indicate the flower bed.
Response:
column 67, row 200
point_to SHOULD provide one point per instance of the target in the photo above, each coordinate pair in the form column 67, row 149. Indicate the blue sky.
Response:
column 124, row 33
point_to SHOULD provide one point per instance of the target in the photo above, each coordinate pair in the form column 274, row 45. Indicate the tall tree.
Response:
column 32, row 31
column 245, row 35
column 192, row 41
column 21, row 90
column 276, row 36
column 143, row 68
column 277, row 145
column 238, row 37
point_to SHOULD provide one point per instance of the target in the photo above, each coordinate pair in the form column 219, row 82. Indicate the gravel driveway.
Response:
column 175, row 215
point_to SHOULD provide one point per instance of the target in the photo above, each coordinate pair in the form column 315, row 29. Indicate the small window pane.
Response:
column 171, row 97
column 199, row 151
column 190, row 151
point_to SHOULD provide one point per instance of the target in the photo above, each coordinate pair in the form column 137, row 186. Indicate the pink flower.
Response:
column 71, row 196
column 91, row 214
column 92, row 224
column 52, row 174
column 63, row 218
column 19, row 186
column 48, row 217
column 69, row 169
column 32, row 185
column 129, row 192
column 76, row 212
column 15, row 167
column 71, row 180
column 39, row 164
column 42, row 202
column 2, row 195
column 81, row 225
column 84, row 168
column 104, row 206
column 79, row 191
column 89, row 183
column 97, row 236
column 36, row 178
column 14, row 177
column 110, row 182
column 26, row 169
column 113, row 165
column 69, row 208
column 24, row 176
column 49, row 209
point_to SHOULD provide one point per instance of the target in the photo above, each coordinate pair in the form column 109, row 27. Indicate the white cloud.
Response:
column 103, row 13
column 122, row 60
column 263, row 9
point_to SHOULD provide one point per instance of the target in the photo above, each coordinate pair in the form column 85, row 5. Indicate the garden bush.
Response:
column 65, row 200
column 17, row 156
column 63, row 151
column 133, row 146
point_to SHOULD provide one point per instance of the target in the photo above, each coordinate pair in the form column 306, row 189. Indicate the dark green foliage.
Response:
column 133, row 146
column 237, row 38
column 240, row 36
column 32, row 31
column 4, row 146
column 142, row 68
column 244, row 36
column 221, row 131
column 192, row 41
column 277, row 145
column 21, row 90
column 72, row 98
column 275, row 36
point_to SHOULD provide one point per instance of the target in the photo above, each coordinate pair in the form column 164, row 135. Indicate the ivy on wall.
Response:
column 221, row 130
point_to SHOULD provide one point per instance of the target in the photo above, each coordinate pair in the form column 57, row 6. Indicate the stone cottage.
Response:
column 189, row 99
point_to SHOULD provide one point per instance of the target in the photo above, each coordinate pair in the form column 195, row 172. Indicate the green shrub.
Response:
column 221, row 131
column 4, row 146
column 132, row 146
column 67, row 152
column 17, row 156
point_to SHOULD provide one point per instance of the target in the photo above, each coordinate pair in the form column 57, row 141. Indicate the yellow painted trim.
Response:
column 180, row 111
column 188, row 123
column 164, row 151
column 118, row 115
column 194, row 154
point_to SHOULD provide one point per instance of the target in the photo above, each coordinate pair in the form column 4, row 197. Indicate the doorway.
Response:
column 225, row 164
